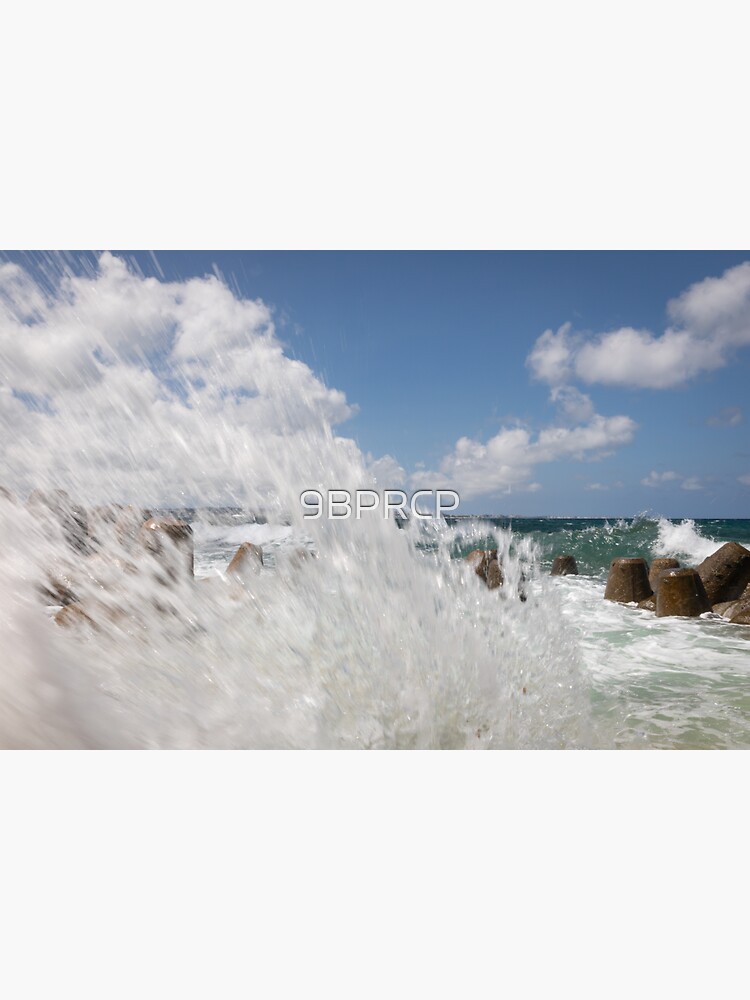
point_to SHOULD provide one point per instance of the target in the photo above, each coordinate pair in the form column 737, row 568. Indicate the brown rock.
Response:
column 564, row 566
column 741, row 613
column 649, row 604
column 681, row 594
column 128, row 524
column 486, row 566
column 247, row 561
column 95, row 614
column 628, row 581
column 72, row 616
column 656, row 568
column 58, row 590
column 726, row 573
column 71, row 516
column 725, row 608
column 170, row 542
column 493, row 576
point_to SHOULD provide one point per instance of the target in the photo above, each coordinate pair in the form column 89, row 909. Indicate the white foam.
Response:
column 683, row 541
column 236, row 534
column 372, row 644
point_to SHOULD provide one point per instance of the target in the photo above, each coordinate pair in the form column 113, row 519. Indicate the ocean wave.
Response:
column 683, row 541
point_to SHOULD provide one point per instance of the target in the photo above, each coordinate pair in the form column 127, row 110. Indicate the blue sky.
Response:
column 433, row 347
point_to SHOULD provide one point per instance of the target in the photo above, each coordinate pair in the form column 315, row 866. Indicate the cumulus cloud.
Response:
column 551, row 357
column 603, row 487
column 710, row 321
column 692, row 483
column 573, row 406
column 386, row 472
column 655, row 479
column 730, row 416
column 507, row 461
column 118, row 386
column 659, row 478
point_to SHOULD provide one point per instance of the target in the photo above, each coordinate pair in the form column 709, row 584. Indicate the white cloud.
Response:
column 550, row 358
column 655, row 479
column 692, row 483
column 386, row 472
column 636, row 358
column 573, row 406
column 116, row 386
column 507, row 461
column 601, row 487
column 745, row 480
column 730, row 416
column 659, row 478
column 710, row 321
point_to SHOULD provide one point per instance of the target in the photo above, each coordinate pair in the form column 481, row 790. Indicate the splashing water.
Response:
column 124, row 389
column 683, row 541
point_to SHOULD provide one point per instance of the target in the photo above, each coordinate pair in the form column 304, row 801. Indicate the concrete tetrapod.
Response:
column 628, row 581
column 681, row 594
column 564, row 566
column 656, row 568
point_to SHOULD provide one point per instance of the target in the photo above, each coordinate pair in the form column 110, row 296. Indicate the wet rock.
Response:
column 106, row 572
column 300, row 556
column 725, row 608
column 71, row 516
column 681, row 594
column 657, row 566
column 170, row 542
column 73, row 616
column 649, row 604
column 58, row 590
column 628, row 581
column 486, row 566
column 246, row 562
column 105, row 513
column 493, row 576
column 741, row 613
column 726, row 573
column 96, row 614
column 128, row 524
column 564, row 566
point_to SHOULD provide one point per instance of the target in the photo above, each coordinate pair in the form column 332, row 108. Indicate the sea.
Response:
column 380, row 638
column 638, row 681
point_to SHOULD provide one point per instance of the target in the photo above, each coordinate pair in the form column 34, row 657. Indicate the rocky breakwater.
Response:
column 133, row 560
column 721, row 583
column 726, row 577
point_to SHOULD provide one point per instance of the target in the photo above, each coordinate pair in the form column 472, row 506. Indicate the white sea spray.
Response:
column 123, row 388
